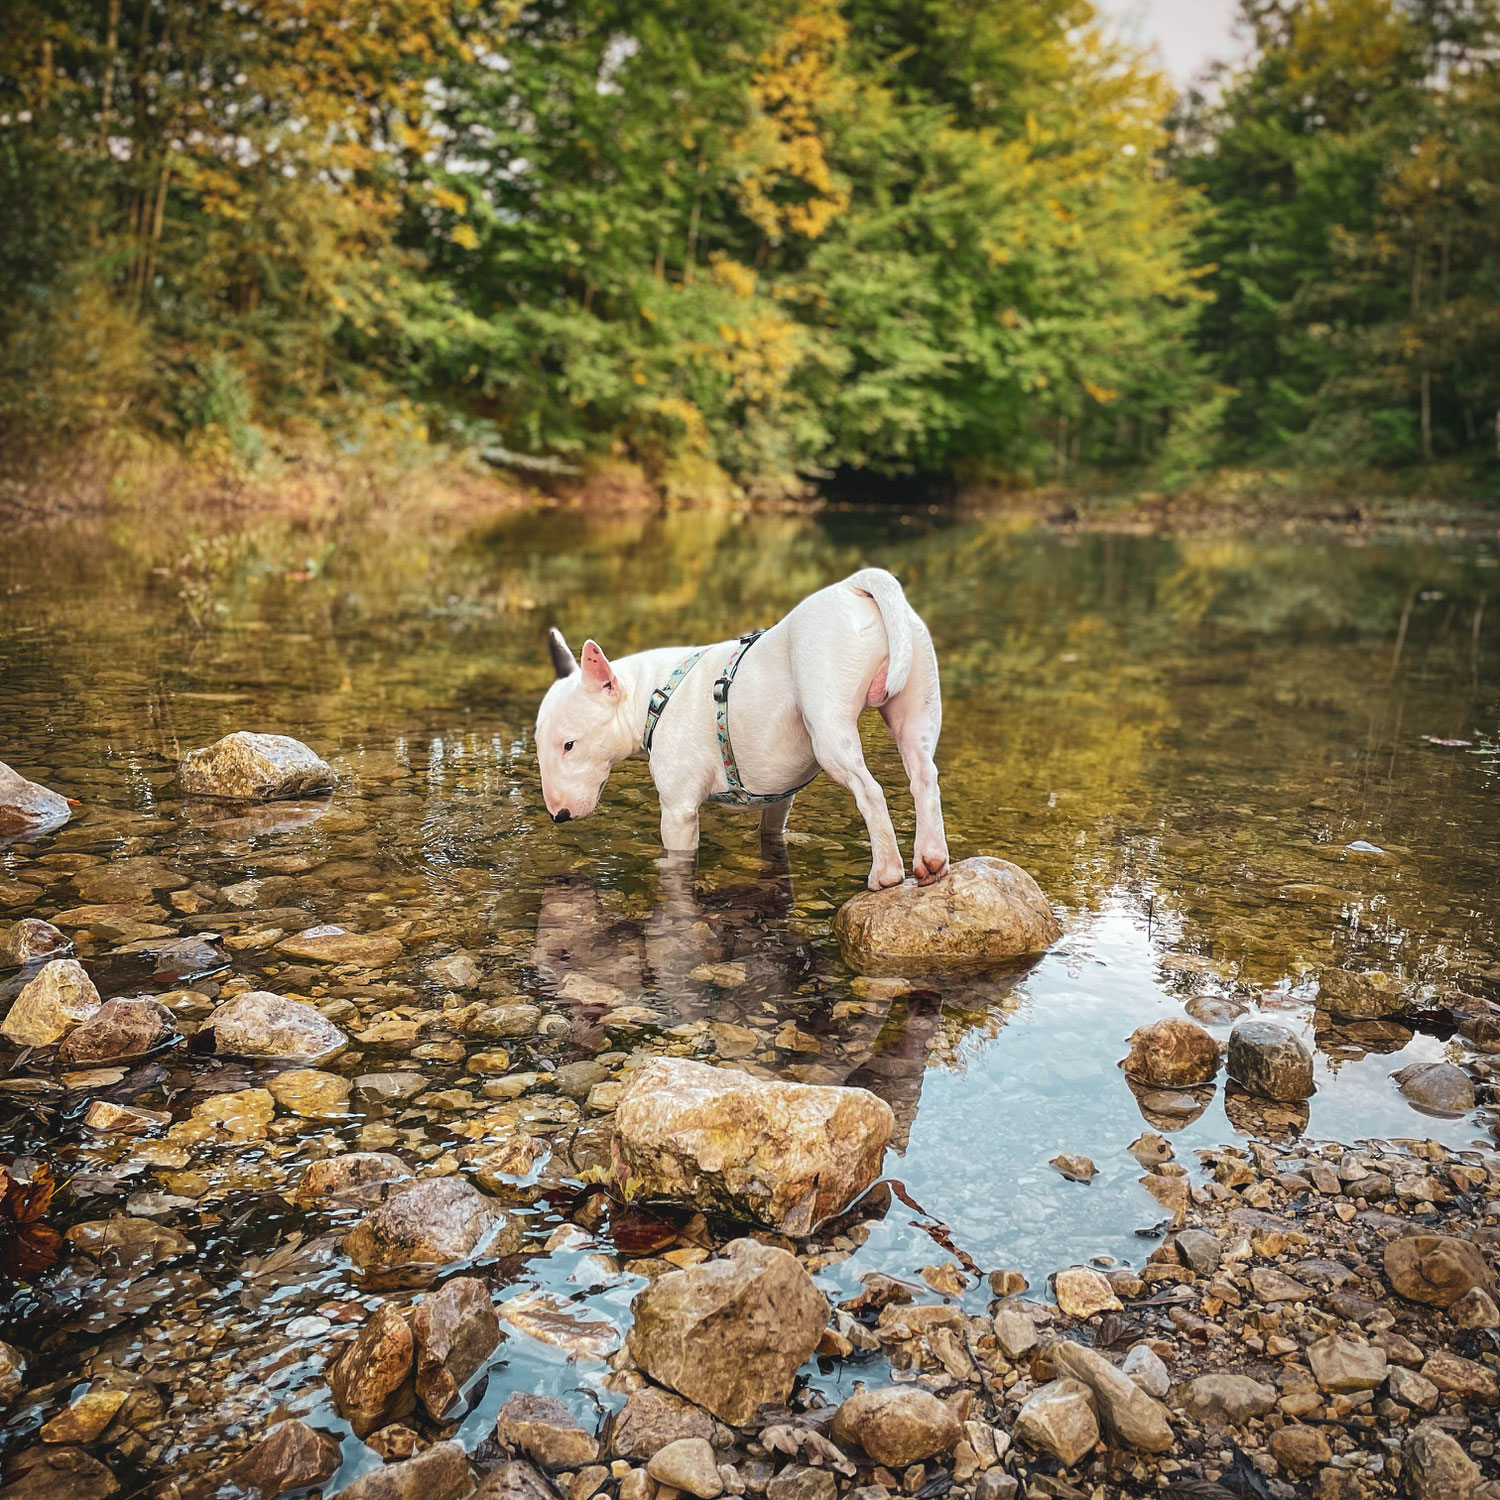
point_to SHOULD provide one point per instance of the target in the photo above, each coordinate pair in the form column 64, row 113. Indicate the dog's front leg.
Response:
column 679, row 828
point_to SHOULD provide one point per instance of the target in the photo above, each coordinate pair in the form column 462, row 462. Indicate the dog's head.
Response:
column 581, row 732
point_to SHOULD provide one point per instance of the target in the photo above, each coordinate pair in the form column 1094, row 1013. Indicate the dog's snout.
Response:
column 562, row 815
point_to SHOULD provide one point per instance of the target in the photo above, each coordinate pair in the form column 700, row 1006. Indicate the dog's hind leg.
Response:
column 840, row 754
column 679, row 829
column 915, row 717
column 773, row 816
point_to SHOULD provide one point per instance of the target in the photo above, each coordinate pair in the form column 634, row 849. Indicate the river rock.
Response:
column 1225, row 1398
column 245, row 767
column 518, row 1480
column 688, row 1464
column 1437, row 1468
column 729, row 1333
column 260, row 1024
column 84, row 1418
column 1300, row 1450
column 984, row 911
column 371, row 1380
column 440, row 1472
column 897, row 1425
column 126, row 880
column 1081, row 1292
column 12, row 1374
column 432, row 1223
column 1143, row 1365
column 457, row 971
column 292, row 1456
column 312, row 1094
column 333, row 945
column 121, row 1028
column 1411, row 1388
column 1368, row 996
column 1136, row 1419
column 61, row 997
column 1270, row 1062
column 28, row 807
column 58, row 1474
column 544, row 1430
column 29, row 939
column 1441, row 1088
column 1343, row 1365
column 1172, row 1053
column 351, row 1177
column 652, row 1418
column 1475, row 1309
column 456, row 1331
column 1436, row 1269
column 787, row 1154
column 1456, row 1376
column 1058, row 1418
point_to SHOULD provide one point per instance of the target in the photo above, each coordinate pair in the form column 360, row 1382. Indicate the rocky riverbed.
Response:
column 365, row 1135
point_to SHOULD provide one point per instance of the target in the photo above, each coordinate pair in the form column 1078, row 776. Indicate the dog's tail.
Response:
column 895, row 612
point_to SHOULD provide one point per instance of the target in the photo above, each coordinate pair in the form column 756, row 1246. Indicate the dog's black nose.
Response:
column 561, row 815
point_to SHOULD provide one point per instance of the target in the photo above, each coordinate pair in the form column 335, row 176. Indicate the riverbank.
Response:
column 431, row 485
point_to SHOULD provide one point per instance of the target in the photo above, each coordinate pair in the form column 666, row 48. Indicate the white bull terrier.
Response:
column 797, row 698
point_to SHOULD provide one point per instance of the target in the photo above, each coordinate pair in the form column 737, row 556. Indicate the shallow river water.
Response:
column 1229, row 763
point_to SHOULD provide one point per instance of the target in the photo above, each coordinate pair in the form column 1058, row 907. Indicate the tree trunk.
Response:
column 107, row 93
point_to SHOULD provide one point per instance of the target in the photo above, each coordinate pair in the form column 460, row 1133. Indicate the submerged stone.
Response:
column 431, row 1223
column 1370, row 995
column 29, row 939
column 333, row 945
column 984, row 911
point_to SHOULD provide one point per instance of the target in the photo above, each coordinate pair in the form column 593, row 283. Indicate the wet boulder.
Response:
column 244, row 767
column 1172, row 1053
column 1269, row 1061
column 730, row 1333
column 543, row 1429
column 1228, row 1399
column 12, row 1374
column 652, row 1418
column 371, row 1380
column 1437, row 1468
column 351, row 1177
column 432, row 1223
column 897, row 1425
column 260, row 1024
column 456, row 1331
column 292, row 1456
column 1058, row 1418
column 688, row 1465
column 1435, row 1269
column 30, row 939
column 1134, row 1418
column 60, row 997
column 984, row 911
column 26, row 807
column 786, row 1154
column 61, row 1473
column 1370, row 995
column 1439, row 1088
column 440, row 1472
column 120, row 1029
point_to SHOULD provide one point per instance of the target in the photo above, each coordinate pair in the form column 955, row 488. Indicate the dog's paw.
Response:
column 929, row 868
column 883, row 879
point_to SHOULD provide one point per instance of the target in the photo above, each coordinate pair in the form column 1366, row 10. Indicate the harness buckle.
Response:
column 721, row 690
column 658, row 703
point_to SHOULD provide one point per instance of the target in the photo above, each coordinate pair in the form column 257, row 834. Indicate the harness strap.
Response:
column 663, row 695
column 737, row 793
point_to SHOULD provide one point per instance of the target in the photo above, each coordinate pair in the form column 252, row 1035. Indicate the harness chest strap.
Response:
column 663, row 695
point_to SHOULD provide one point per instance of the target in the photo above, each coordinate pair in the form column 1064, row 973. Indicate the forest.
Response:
column 741, row 250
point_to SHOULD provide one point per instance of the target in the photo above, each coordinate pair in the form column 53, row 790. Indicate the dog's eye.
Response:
column 567, row 745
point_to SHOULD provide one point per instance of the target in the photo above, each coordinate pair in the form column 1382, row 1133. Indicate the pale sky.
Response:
column 1187, row 34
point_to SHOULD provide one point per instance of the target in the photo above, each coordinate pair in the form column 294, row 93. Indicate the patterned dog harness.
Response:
column 663, row 695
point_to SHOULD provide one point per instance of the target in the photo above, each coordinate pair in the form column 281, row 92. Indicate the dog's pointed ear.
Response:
column 598, row 675
column 562, row 659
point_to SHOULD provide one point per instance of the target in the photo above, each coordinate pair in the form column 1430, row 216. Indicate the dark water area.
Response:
column 1229, row 762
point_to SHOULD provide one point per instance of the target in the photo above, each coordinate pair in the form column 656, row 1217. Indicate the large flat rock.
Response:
column 984, row 911
column 244, row 767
